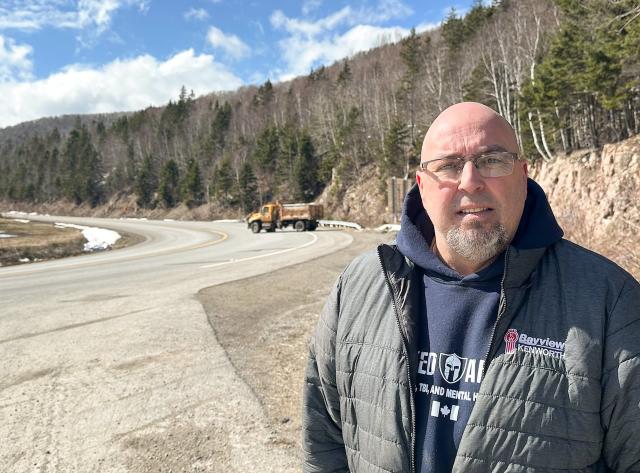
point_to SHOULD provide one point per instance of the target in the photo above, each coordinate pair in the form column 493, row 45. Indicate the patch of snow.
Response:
column 6, row 235
column 24, row 260
column 168, row 220
column 20, row 220
column 228, row 221
column 97, row 238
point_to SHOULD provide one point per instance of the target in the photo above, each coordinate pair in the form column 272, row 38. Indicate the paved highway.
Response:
column 105, row 354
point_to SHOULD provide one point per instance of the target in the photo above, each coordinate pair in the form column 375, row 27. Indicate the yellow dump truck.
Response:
column 277, row 215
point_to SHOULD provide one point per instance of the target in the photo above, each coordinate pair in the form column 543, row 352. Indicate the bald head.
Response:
column 466, row 128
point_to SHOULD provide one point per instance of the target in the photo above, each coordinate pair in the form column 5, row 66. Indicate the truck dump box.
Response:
column 302, row 212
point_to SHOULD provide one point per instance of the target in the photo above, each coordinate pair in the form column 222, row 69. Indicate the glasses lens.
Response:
column 445, row 168
column 496, row 164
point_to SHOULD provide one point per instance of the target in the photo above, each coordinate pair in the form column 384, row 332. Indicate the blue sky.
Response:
column 88, row 56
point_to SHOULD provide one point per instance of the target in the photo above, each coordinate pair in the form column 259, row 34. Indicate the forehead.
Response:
column 462, row 138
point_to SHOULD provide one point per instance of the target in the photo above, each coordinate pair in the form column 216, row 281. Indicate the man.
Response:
column 481, row 341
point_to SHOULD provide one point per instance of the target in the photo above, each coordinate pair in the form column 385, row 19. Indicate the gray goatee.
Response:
column 478, row 244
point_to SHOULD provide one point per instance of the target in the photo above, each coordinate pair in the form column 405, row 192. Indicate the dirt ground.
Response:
column 266, row 337
column 40, row 241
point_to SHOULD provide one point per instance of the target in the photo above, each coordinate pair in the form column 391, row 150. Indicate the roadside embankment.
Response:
column 23, row 240
column 595, row 196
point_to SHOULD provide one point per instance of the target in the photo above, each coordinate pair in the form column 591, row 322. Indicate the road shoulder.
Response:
column 263, row 323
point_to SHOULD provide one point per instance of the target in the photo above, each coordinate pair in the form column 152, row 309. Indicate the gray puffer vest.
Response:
column 578, row 412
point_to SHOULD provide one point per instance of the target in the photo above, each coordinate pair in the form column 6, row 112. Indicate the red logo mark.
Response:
column 510, row 338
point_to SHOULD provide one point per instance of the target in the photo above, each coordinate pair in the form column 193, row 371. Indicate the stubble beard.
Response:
column 478, row 244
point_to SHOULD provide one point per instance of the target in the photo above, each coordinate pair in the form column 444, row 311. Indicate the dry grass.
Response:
column 37, row 241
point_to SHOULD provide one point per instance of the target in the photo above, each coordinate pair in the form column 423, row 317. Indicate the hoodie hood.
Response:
column 538, row 228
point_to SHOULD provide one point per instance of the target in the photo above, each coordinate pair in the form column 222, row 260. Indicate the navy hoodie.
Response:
column 456, row 324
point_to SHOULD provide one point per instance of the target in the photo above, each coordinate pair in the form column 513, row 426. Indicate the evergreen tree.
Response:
column 248, row 188
column 264, row 96
column 267, row 150
column 169, row 184
column 192, row 187
column 345, row 75
column 220, row 126
column 410, row 54
column 101, row 131
column 453, row 30
column 286, row 158
column 116, row 179
column 476, row 88
column 306, row 169
column 394, row 159
column 146, row 183
column 131, row 167
column 223, row 187
column 82, row 177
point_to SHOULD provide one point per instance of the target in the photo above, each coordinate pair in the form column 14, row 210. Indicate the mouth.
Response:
column 475, row 211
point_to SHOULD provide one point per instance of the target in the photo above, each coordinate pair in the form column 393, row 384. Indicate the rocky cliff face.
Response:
column 596, row 198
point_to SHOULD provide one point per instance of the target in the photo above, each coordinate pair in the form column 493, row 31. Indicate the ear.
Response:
column 418, row 178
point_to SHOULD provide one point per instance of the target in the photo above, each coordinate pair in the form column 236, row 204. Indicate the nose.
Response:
column 470, row 178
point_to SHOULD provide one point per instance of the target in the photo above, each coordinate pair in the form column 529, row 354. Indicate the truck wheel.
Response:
column 271, row 229
column 256, row 227
column 299, row 226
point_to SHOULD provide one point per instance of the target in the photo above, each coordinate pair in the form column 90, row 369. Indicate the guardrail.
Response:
column 339, row 224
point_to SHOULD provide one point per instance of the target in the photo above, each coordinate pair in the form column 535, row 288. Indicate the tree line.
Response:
column 565, row 73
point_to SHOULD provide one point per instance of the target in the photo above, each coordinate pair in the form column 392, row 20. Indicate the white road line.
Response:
column 315, row 238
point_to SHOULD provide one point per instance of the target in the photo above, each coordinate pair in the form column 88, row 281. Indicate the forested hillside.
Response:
column 565, row 73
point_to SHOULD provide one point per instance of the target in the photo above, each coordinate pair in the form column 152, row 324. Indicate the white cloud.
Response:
column 314, row 42
column 63, row 14
column 302, row 54
column 196, row 14
column 15, row 60
column 385, row 10
column 229, row 43
column 310, row 28
column 120, row 85
column 427, row 26
column 310, row 5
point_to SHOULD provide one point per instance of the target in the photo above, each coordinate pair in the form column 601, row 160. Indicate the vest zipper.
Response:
column 406, row 354
column 501, row 311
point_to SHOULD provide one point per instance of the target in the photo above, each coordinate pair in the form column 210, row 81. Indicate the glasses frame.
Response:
column 473, row 160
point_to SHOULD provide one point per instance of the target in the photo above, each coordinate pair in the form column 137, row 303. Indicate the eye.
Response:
column 446, row 166
column 493, row 159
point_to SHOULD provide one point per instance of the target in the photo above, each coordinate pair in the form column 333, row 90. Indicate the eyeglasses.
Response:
column 490, row 164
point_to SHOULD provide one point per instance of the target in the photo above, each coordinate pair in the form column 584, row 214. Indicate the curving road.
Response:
column 105, row 354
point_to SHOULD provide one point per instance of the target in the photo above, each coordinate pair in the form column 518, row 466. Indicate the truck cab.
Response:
column 266, row 217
